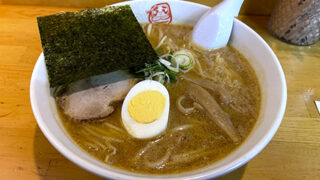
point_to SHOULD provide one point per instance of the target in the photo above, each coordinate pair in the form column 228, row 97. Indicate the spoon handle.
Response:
column 213, row 30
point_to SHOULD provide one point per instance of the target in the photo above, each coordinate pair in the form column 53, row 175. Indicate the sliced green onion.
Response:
column 175, row 69
column 184, row 59
column 160, row 79
column 165, row 69
column 169, row 65
column 165, row 62
column 155, row 74
column 168, row 79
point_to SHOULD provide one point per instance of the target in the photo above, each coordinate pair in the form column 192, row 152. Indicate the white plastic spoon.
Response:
column 213, row 30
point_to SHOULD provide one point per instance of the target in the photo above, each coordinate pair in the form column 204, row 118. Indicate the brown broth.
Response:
column 195, row 147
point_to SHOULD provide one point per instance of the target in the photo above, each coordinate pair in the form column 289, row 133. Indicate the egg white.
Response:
column 141, row 130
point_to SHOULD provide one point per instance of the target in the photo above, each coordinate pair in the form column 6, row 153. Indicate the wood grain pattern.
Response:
column 294, row 152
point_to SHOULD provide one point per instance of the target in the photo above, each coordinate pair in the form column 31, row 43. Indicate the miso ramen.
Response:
column 192, row 139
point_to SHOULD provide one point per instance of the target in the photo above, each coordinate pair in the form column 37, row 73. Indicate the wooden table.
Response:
column 294, row 152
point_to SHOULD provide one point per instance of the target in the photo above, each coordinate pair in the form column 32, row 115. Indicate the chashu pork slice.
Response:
column 95, row 102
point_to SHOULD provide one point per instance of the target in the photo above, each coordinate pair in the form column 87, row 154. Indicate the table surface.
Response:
column 294, row 152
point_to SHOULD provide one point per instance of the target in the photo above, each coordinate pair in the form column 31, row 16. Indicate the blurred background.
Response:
column 249, row 7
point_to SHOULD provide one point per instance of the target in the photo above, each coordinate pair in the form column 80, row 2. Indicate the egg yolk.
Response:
column 146, row 106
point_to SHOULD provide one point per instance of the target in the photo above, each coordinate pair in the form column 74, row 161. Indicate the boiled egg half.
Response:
column 145, row 109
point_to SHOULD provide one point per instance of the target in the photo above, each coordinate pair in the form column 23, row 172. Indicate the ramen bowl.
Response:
column 259, row 55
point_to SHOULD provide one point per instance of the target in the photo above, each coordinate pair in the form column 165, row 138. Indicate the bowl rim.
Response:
column 256, row 149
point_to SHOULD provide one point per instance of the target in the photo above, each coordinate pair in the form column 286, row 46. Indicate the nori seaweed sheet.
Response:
column 90, row 42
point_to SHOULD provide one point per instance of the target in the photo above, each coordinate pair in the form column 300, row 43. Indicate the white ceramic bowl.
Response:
column 243, row 38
